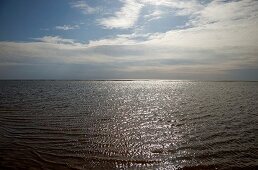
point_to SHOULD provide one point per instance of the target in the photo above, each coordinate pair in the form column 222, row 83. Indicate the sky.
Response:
column 129, row 39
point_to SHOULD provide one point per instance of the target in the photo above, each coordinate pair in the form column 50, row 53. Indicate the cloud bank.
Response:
column 220, row 37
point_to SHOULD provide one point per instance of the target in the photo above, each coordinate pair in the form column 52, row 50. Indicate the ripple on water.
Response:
column 128, row 125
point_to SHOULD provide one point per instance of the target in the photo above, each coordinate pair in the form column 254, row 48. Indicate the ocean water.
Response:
column 128, row 125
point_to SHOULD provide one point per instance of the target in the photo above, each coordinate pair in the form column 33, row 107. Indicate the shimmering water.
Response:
column 128, row 125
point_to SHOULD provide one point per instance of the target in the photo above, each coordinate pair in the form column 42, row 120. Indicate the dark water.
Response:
column 128, row 125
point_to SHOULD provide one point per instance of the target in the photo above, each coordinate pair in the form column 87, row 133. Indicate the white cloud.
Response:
column 67, row 27
column 232, row 13
column 55, row 40
column 113, row 41
column 125, row 18
column 129, row 13
column 214, row 44
column 83, row 6
column 157, row 14
column 181, row 7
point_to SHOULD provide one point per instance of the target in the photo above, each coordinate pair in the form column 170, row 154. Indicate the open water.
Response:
column 128, row 125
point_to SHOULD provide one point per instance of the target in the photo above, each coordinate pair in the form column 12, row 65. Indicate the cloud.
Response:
column 67, row 27
column 181, row 7
column 125, row 18
column 157, row 14
column 130, row 11
column 55, row 40
column 83, row 6
column 214, row 45
column 229, row 13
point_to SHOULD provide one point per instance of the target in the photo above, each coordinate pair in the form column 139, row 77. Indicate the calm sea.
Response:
column 128, row 125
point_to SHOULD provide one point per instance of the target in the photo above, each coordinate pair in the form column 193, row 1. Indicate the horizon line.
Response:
column 175, row 80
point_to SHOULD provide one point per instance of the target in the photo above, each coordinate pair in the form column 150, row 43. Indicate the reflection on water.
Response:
column 128, row 124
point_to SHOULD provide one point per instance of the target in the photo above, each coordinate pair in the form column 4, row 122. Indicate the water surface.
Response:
column 128, row 125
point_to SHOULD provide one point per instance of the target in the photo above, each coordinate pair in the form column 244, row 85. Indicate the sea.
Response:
column 128, row 124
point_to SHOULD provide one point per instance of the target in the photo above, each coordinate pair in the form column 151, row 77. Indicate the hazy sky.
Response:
column 129, row 39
